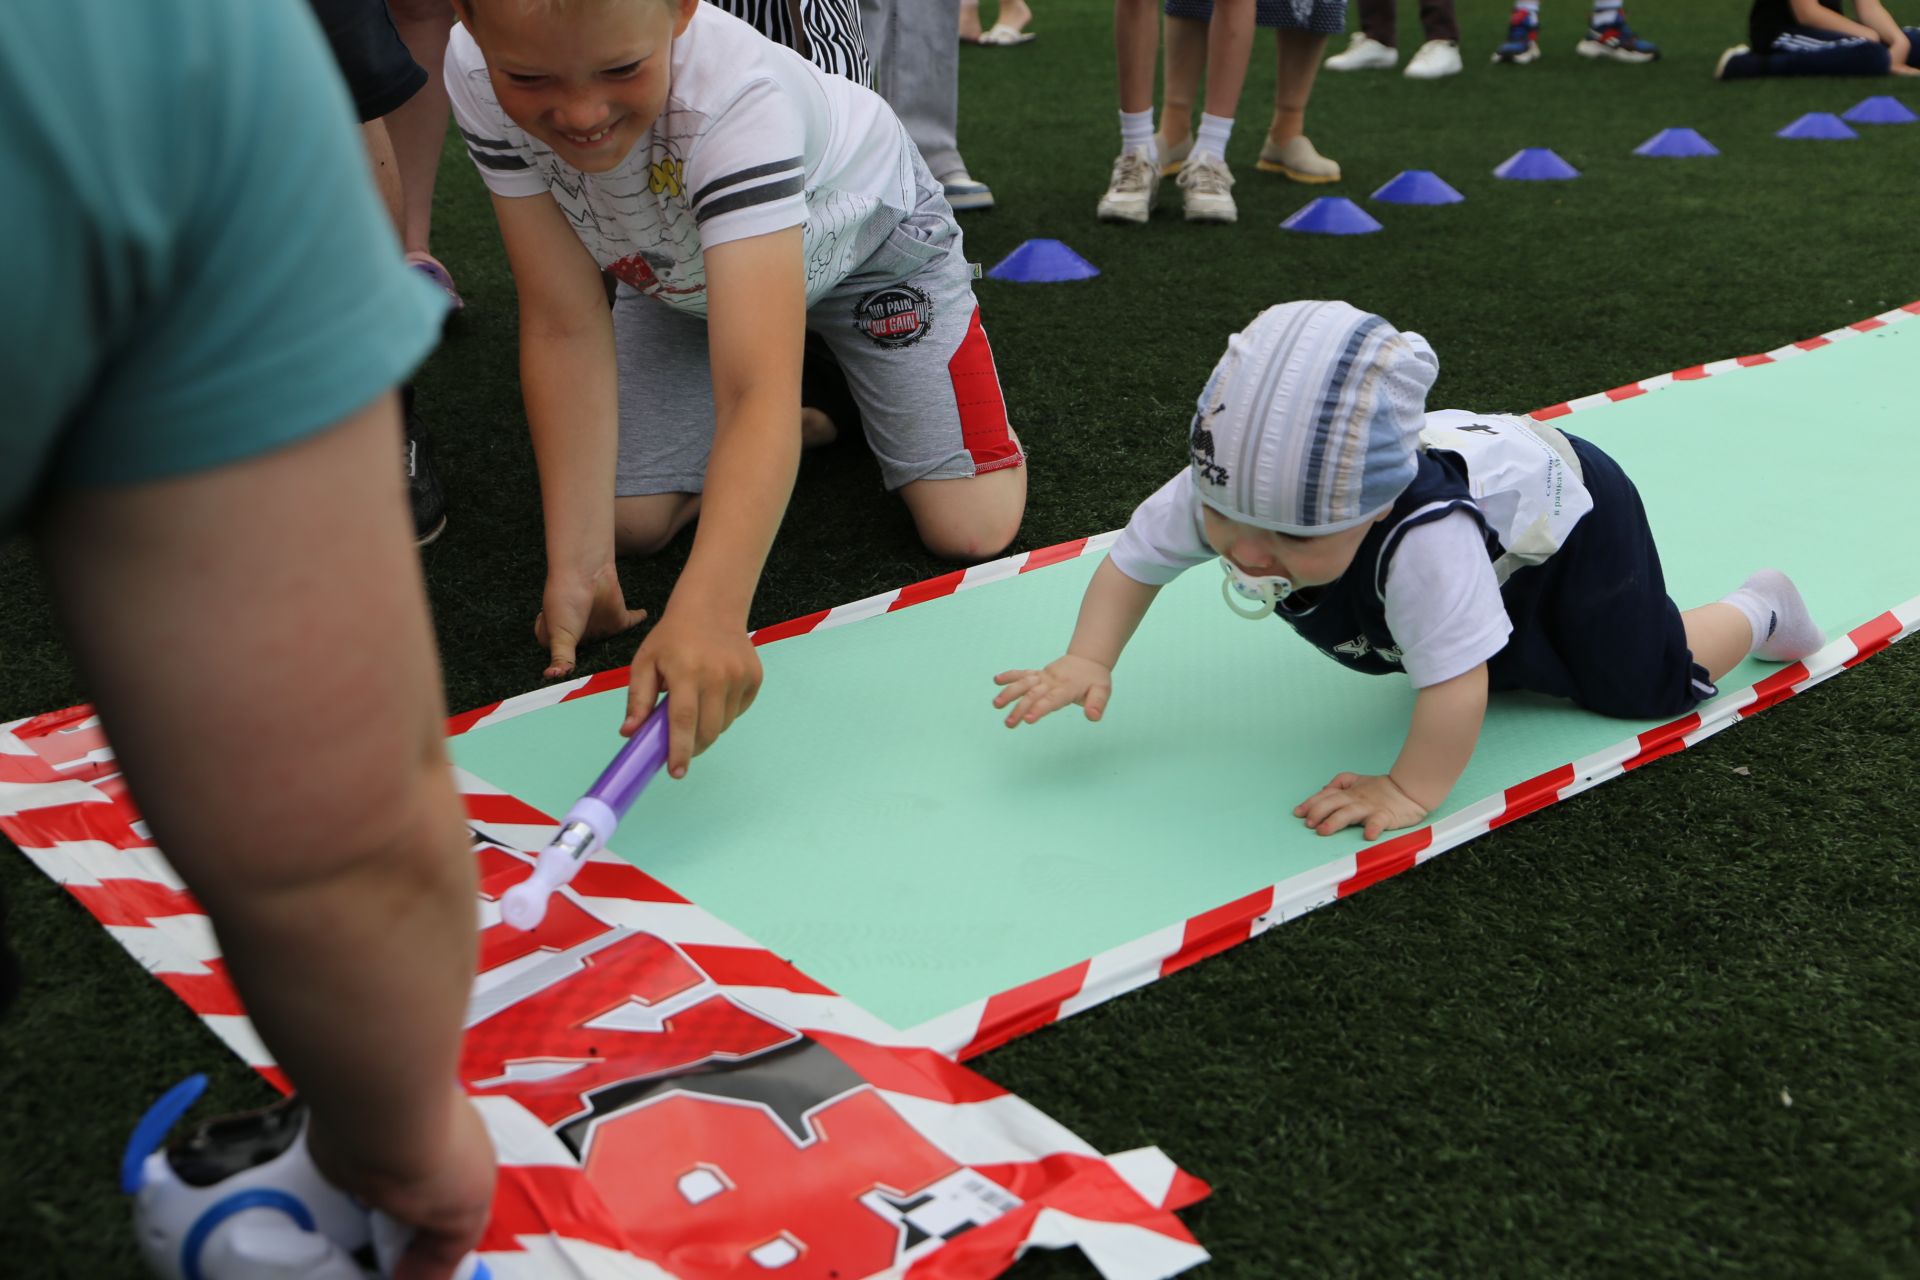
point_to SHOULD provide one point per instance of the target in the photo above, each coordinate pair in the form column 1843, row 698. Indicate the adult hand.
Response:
column 1373, row 802
column 442, row 1196
column 581, row 607
column 705, row 660
column 1062, row 682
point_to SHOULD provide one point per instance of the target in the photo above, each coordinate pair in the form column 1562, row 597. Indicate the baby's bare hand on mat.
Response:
column 1372, row 802
column 1062, row 682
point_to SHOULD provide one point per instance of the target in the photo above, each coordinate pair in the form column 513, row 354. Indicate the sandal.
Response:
column 1002, row 34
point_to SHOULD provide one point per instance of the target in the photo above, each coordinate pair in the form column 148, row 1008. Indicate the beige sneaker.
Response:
column 1364, row 53
column 1131, row 191
column 1206, row 188
column 1299, row 161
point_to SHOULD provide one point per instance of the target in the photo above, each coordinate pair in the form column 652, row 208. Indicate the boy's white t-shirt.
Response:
column 1442, row 600
column 752, row 139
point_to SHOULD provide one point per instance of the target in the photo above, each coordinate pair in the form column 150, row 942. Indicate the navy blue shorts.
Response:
column 379, row 71
column 1594, row 623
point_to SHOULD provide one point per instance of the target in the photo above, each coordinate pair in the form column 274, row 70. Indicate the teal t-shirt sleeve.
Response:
column 281, row 303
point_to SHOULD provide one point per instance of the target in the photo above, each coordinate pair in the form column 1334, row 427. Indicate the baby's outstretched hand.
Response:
column 1372, row 802
column 1063, row 681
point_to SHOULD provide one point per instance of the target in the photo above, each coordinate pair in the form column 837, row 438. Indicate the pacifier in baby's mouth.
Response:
column 1268, row 591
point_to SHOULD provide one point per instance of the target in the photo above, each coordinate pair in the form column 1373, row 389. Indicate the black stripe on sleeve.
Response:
column 764, row 194
column 745, row 175
column 489, row 160
column 491, row 144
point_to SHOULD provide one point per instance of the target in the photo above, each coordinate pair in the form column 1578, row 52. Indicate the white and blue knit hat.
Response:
column 1310, row 422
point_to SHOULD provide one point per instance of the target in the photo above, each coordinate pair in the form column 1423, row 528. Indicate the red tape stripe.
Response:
column 137, row 902
column 1054, row 554
column 1776, row 688
column 1534, row 793
column 1871, row 637
column 1027, row 1007
column 1664, row 741
column 791, row 627
column 503, row 809
column 931, row 589
column 1211, row 932
column 1379, row 862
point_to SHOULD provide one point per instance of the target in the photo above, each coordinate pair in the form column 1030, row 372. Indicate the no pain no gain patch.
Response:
column 897, row 316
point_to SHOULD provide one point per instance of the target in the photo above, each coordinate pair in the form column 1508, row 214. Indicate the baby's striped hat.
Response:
column 1310, row 422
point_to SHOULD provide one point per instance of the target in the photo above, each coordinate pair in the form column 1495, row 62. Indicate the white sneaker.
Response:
column 1206, row 187
column 1131, row 190
column 1434, row 59
column 1364, row 53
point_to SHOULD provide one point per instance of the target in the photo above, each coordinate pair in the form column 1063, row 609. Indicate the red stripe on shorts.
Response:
column 983, row 409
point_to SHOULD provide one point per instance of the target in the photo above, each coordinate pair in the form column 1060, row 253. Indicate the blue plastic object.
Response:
column 1331, row 216
column 1880, row 110
column 1676, row 144
column 1417, row 186
column 1821, row 126
column 1535, row 164
column 153, row 1127
column 1042, row 262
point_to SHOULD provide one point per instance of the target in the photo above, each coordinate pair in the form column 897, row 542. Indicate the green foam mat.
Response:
column 871, row 820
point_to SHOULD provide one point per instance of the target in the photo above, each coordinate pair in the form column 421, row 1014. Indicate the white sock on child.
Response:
column 1605, row 13
column 1528, row 6
column 1783, row 630
column 1213, row 135
column 1136, row 130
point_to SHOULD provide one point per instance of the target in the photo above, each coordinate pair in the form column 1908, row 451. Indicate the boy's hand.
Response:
column 1065, row 680
column 1373, row 802
column 708, row 665
column 580, row 608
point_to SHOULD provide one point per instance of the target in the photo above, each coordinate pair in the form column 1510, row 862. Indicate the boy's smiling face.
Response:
column 589, row 78
column 1263, row 553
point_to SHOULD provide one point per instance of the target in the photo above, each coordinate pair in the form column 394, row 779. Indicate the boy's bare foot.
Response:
column 970, row 23
column 816, row 429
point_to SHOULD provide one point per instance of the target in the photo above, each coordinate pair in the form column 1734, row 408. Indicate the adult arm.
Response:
column 699, row 651
column 567, row 383
column 258, row 643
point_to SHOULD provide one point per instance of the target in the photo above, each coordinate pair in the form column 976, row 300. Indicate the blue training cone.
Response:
column 1819, row 125
column 1417, row 186
column 1677, row 144
column 1331, row 216
column 1536, row 164
column 1042, row 262
column 1880, row 110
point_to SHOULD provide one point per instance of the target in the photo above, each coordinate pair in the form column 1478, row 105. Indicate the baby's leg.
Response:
column 1775, row 624
column 1719, row 637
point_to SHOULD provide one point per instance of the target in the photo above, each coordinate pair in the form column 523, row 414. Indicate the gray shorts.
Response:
column 905, row 330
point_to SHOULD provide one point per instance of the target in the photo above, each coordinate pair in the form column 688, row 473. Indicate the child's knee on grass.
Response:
column 645, row 523
column 972, row 519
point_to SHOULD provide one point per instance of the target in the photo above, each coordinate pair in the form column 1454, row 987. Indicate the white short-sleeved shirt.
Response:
column 752, row 139
column 1442, row 600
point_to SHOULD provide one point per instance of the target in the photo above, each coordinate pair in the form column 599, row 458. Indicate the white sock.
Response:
column 1783, row 630
column 1605, row 13
column 1528, row 6
column 1212, row 138
column 1136, row 130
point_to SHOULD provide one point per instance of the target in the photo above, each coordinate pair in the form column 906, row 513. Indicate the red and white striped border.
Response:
column 985, row 1024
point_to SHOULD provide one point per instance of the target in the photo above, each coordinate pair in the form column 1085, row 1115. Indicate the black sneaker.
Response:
column 424, row 490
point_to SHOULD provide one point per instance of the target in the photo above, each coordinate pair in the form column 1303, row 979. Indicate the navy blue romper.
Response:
column 1593, row 623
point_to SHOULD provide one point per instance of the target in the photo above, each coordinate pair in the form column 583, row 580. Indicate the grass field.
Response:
column 1666, row 1028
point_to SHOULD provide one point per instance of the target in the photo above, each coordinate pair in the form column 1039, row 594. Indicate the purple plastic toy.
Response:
column 591, row 822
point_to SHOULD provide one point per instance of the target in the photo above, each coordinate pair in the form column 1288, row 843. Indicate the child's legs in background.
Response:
column 1436, row 20
column 1136, row 38
column 1186, row 42
column 666, row 421
column 1808, row 51
column 1299, row 63
column 1377, row 20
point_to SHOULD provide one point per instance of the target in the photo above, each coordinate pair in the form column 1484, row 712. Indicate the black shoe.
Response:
column 424, row 490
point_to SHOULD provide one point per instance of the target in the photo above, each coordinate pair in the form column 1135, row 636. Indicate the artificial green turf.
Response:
column 1560, row 1050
